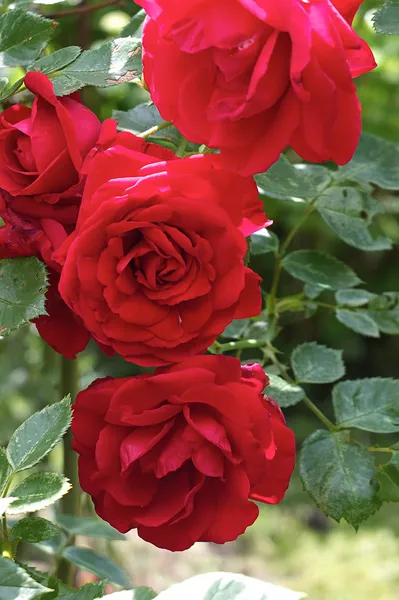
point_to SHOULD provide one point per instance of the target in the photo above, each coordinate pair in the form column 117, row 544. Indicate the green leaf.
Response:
column 359, row 321
column 386, row 19
column 376, row 161
column 38, row 491
column 115, row 61
column 38, row 576
column 134, row 28
column 5, row 503
column 353, row 297
column 56, row 61
column 312, row 291
column 313, row 363
column 320, row 269
column 236, row 329
column 90, row 591
column 388, row 478
column 16, row 584
column 349, row 212
column 23, row 35
column 22, row 291
column 263, row 242
column 227, row 586
column 285, row 394
column 384, row 310
column 9, row 91
column 35, row 438
column 97, row 564
column 34, row 529
column 140, row 593
column 369, row 404
column 285, row 180
column 339, row 476
column 89, row 527
column 5, row 469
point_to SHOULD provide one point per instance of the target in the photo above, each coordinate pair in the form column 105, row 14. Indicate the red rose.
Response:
column 42, row 150
column 179, row 454
column 155, row 266
column 60, row 328
column 253, row 76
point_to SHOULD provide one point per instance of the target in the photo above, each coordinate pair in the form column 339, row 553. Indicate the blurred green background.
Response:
column 292, row 544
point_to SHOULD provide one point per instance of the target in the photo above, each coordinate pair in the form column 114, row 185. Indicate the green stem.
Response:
column 70, row 503
column 270, row 353
column 7, row 546
column 181, row 149
column 241, row 345
column 148, row 132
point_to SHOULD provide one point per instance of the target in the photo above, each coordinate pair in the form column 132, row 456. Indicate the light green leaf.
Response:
column 38, row 491
column 97, row 564
column 388, row 478
column 359, row 321
column 384, row 310
column 5, row 503
column 339, row 477
column 140, row 593
column 9, row 91
column 313, row 363
column 285, row 394
column 23, row 35
column 227, row 586
column 264, row 241
column 5, row 469
column 376, row 161
column 284, row 180
column 35, row 438
column 353, row 297
column 312, row 291
column 34, row 529
column 56, row 61
column 369, row 404
column 386, row 19
column 16, row 584
column 90, row 591
column 320, row 269
column 89, row 527
column 349, row 212
column 134, row 28
column 115, row 61
column 22, row 291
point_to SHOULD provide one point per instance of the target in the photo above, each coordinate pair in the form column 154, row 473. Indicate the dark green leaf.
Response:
column 97, row 564
column 376, row 161
column 38, row 576
column 115, row 61
column 313, row 363
column 88, row 527
column 38, row 491
column 9, row 91
column 5, row 469
column 284, row 180
column 22, row 291
column 312, row 291
column 388, row 478
column 90, row 591
column 56, row 61
column 236, row 329
column 353, row 297
column 35, row 438
column 339, row 477
column 386, row 19
column 263, row 242
column 359, row 321
column 349, row 212
column 320, row 269
column 385, row 312
column 134, row 28
column 370, row 404
column 285, row 394
column 227, row 586
column 16, row 584
column 34, row 529
column 23, row 35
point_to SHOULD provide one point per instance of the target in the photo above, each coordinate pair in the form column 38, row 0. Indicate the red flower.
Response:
column 253, row 76
column 155, row 266
column 180, row 454
column 42, row 150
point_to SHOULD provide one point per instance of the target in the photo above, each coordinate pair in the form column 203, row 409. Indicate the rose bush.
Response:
column 155, row 267
column 42, row 151
column 179, row 455
column 253, row 76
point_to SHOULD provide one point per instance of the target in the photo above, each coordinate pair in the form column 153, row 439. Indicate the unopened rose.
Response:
column 181, row 454
column 253, row 76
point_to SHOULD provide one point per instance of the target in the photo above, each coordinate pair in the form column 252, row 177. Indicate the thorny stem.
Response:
column 83, row 9
column 148, row 132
